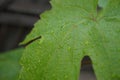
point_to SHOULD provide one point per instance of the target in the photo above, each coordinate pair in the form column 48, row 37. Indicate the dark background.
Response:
column 16, row 20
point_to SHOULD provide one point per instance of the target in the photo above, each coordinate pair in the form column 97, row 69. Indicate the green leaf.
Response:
column 9, row 65
column 70, row 31
column 103, row 3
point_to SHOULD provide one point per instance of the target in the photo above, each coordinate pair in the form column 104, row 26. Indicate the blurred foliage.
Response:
column 9, row 64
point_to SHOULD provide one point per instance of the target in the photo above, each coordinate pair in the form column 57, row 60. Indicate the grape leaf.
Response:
column 70, row 31
column 9, row 65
